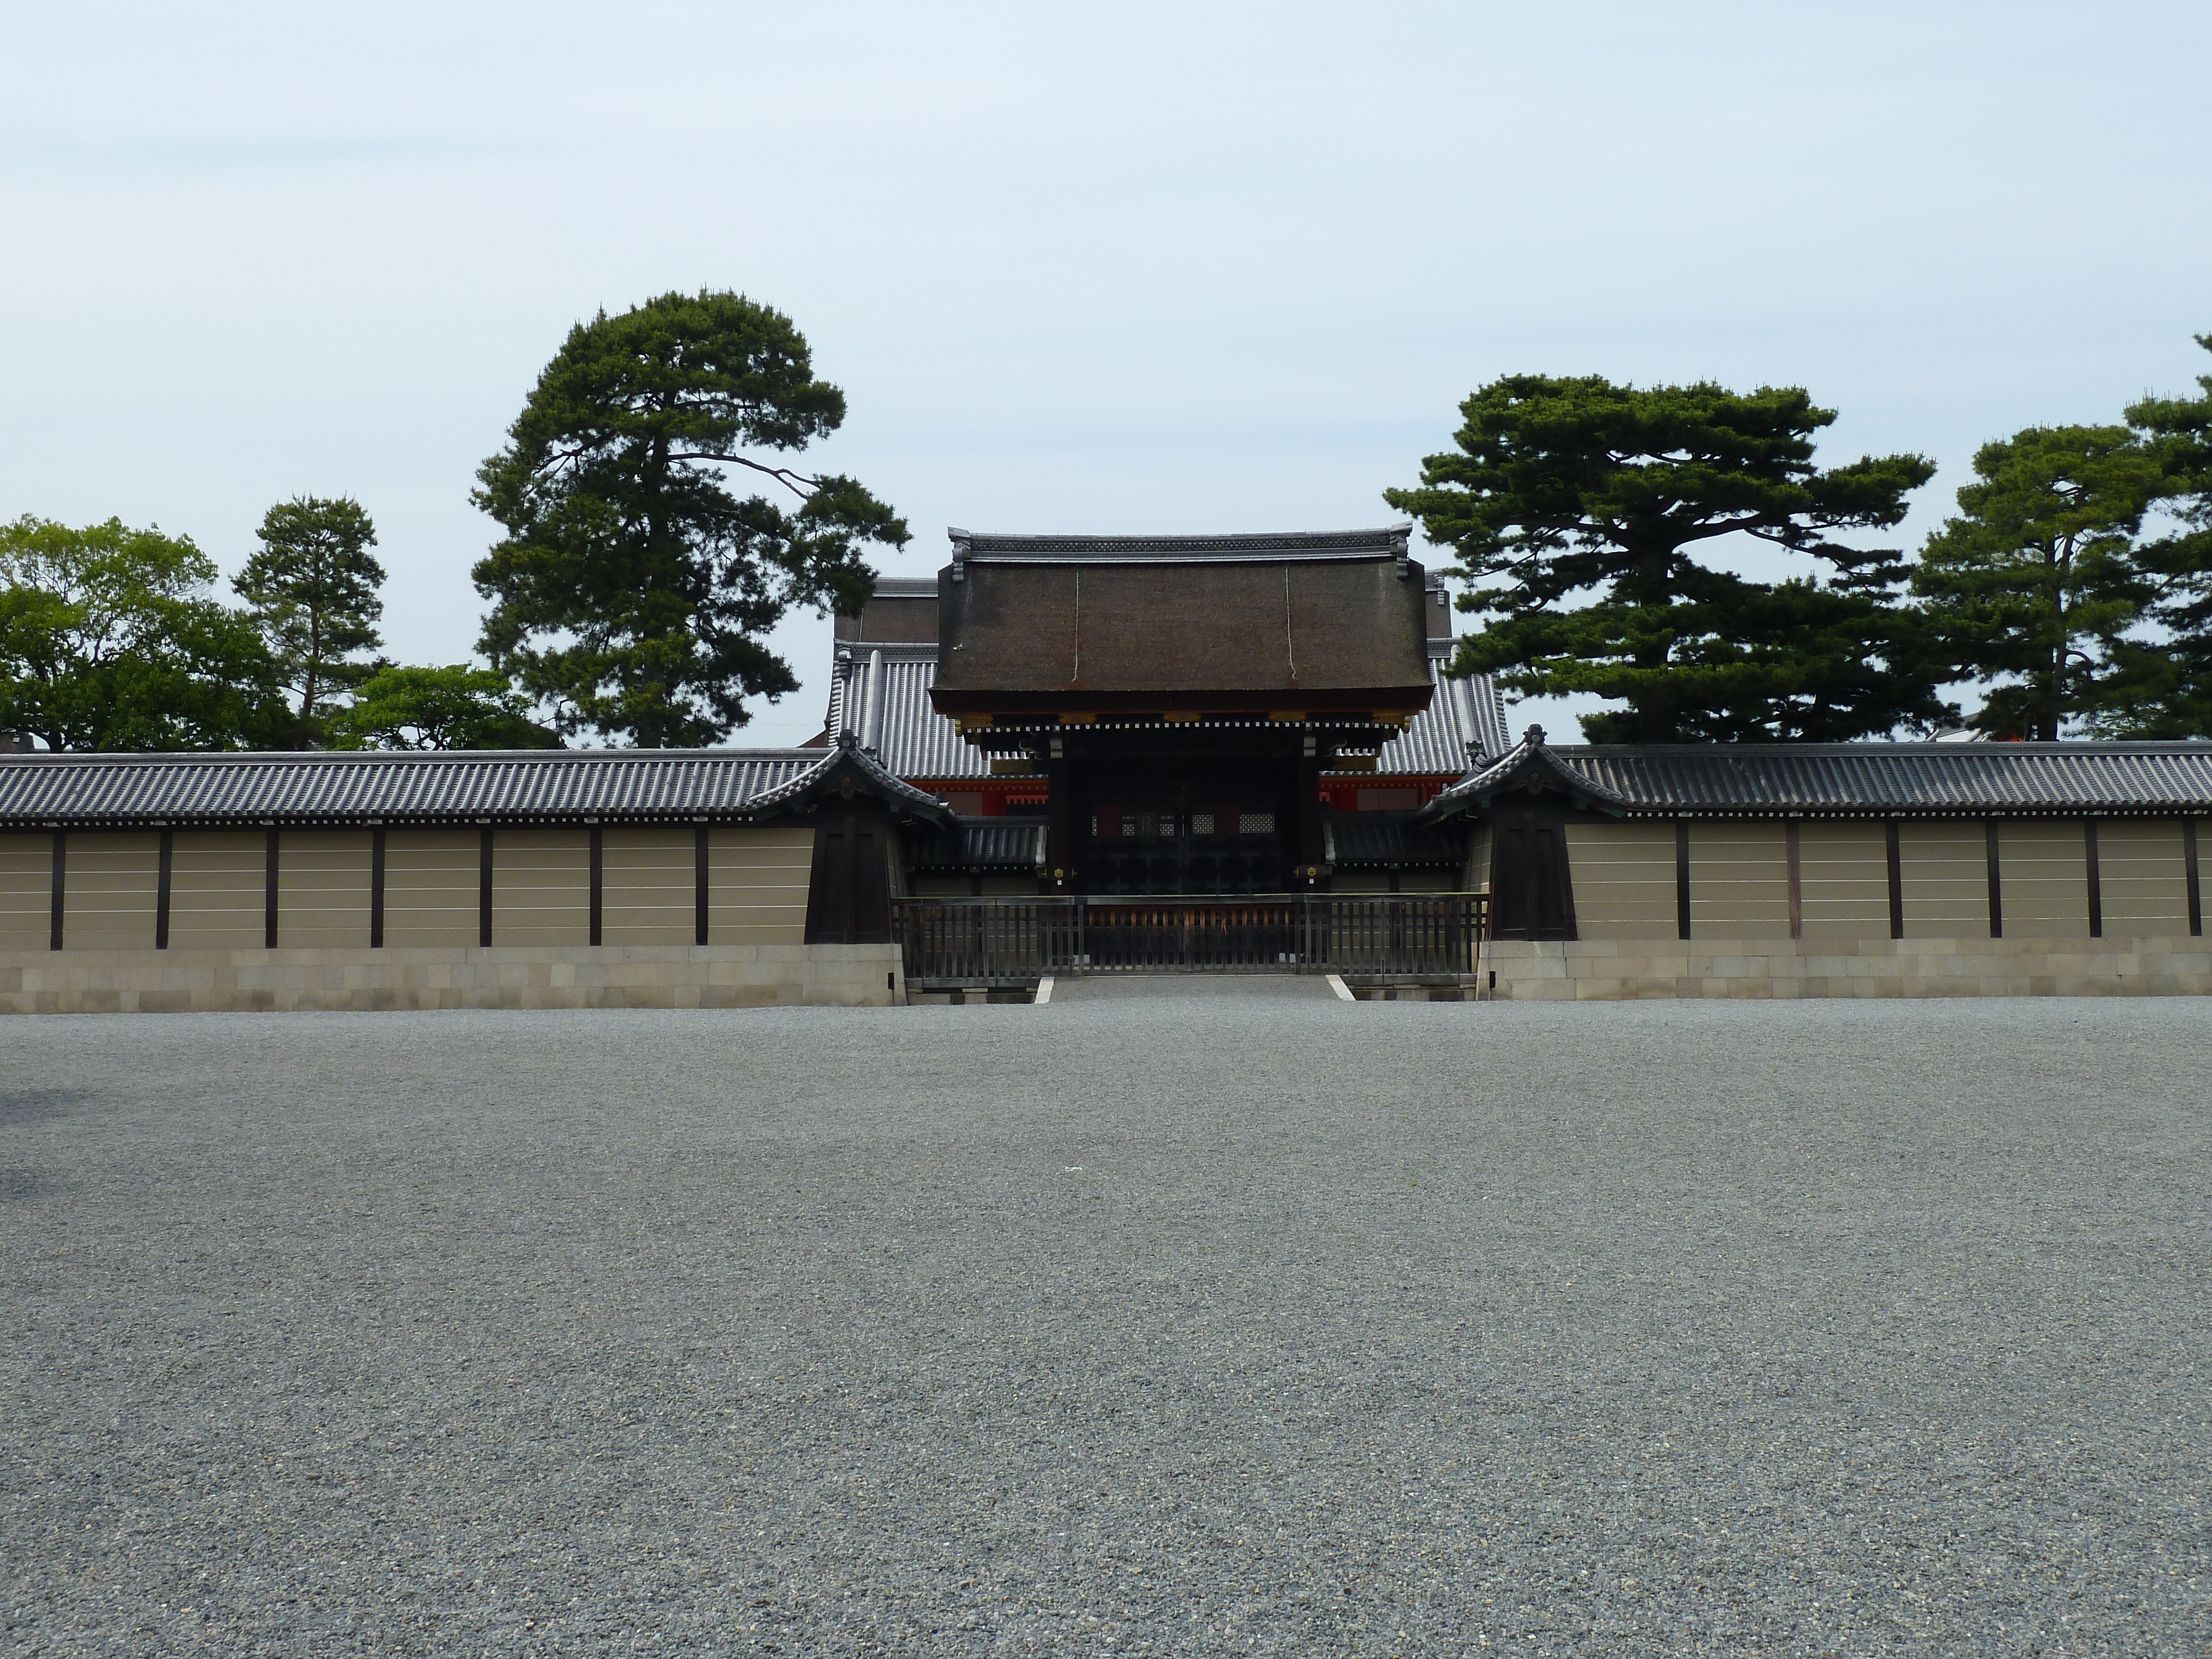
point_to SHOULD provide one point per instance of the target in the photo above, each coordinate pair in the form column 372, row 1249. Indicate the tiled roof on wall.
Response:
column 1859, row 780
column 525, row 786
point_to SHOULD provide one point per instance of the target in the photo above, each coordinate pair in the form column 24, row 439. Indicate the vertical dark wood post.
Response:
column 376, row 889
column 1309, row 836
column 1996, row 882
column 61, row 878
column 162, row 890
column 599, row 870
column 2096, row 879
column 1793, row 851
column 2189, row 875
column 1681, row 877
column 269, row 895
column 483, row 888
column 699, row 884
column 1058, row 826
column 1896, row 878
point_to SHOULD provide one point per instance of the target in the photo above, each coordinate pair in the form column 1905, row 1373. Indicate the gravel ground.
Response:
column 1226, row 1325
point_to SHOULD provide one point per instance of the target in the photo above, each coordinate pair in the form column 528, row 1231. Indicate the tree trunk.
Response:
column 1658, row 720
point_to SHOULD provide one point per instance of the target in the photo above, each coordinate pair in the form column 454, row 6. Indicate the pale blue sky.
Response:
column 1084, row 268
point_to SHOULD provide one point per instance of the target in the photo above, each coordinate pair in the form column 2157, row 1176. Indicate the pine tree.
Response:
column 633, row 588
column 1577, row 507
column 2034, row 586
column 312, row 587
column 2164, row 688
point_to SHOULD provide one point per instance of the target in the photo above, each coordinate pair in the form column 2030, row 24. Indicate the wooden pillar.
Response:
column 1997, row 882
column 483, row 887
column 1059, row 825
column 2190, row 876
column 1896, row 853
column 599, row 884
column 2096, row 879
column 1681, row 877
column 1793, row 848
column 1310, row 847
column 376, row 889
column 699, row 884
column 161, row 889
column 269, row 895
column 61, row 886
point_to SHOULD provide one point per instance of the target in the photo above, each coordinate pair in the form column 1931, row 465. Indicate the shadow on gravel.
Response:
column 20, row 1108
column 18, row 1185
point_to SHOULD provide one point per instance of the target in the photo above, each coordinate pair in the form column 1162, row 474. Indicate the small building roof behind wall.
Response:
column 1850, row 779
column 882, row 695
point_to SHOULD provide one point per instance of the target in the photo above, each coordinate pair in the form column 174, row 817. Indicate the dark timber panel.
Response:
column 1531, row 894
column 848, row 892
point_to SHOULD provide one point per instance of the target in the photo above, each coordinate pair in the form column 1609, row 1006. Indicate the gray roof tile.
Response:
column 914, row 740
column 1861, row 779
column 532, row 786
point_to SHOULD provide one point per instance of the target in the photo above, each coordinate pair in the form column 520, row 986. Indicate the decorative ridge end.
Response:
column 1534, row 737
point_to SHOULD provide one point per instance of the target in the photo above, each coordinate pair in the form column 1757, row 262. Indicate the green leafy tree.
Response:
column 110, row 640
column 1579, row 509
column 454, row 708
column 2163, row 688
column 2035, row 584
column 632, row 587
column 311, row 587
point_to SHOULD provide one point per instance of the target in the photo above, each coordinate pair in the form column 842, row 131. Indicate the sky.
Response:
column 1085, row 269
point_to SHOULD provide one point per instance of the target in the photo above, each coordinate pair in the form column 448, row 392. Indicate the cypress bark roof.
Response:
column 1336, row 620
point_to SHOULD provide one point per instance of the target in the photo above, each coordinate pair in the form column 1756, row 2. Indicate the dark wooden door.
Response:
column 848, row 898
column 1531, row 894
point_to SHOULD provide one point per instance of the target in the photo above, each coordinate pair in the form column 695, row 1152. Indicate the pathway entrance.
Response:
column 1125, row 988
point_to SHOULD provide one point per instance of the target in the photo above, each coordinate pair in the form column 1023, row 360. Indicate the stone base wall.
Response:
column 452, row 976
column 1614, row 969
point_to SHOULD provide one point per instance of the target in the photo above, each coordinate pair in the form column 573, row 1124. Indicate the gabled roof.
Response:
column 70, row 791
column 1530, row 766
column 1851, row 780
column 848, row 771
column 881, row 693
column 1464, row 722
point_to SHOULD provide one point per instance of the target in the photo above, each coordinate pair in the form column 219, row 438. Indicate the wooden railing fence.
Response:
column 1005, row 940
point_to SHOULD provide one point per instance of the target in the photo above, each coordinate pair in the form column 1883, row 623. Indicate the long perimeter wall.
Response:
column 1945, row 907
column 638, row 915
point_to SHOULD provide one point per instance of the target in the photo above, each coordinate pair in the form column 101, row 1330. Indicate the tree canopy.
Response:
column 110, row 640
column 632, row 587
column 312, row 587
column 1579, row 508
column 2163, row 688
column 2033, row 586
column 452, row 707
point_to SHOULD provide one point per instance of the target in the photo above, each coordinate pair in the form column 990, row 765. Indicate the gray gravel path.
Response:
column 1232, row 1325
column 1127, row 988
